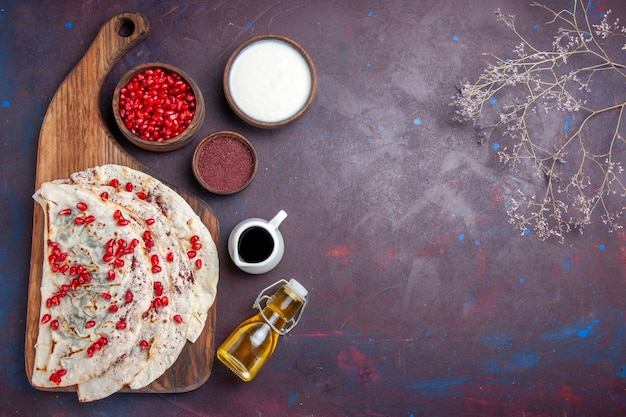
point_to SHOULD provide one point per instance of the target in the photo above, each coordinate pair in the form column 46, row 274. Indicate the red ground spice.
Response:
column 225, row 164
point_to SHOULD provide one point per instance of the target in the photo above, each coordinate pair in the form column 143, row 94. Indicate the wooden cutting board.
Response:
column 74, row 137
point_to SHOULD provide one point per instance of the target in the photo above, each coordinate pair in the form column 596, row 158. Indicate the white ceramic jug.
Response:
column 256, row 245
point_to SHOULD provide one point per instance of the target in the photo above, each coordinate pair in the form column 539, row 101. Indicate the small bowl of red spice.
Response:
column 224, row 162
column 158, row 107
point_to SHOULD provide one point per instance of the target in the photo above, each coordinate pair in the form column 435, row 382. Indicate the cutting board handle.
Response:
column 115, row 38
column 73, row 119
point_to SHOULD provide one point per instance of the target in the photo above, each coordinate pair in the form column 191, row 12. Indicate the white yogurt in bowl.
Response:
column 270, row 81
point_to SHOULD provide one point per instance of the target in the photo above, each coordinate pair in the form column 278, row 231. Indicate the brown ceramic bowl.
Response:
column 270, row 81
column 160, row 143
column 224, row 162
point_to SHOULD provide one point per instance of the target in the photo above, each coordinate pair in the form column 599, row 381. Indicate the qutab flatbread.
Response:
column 91, row 303
column 129, row 274
column 185, row 223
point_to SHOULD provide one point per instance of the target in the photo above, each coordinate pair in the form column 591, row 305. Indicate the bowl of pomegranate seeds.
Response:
column 224, row 162
column 158, row 107
column 270, row 81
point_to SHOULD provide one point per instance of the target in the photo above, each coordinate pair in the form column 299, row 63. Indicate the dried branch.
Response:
column 581, row 171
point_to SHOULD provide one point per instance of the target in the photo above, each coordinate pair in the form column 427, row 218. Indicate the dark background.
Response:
column 424, row 301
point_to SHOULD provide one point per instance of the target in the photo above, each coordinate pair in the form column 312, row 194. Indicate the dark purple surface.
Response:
column 424, row 301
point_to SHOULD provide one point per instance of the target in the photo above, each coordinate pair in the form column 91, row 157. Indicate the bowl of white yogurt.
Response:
column 270, row 81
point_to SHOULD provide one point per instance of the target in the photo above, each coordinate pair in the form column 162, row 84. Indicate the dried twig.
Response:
column 582, row 172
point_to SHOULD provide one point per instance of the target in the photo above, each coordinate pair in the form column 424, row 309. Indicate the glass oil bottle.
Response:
column 252, row 343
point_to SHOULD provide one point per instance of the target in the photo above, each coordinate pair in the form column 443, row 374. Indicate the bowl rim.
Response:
column 171, row 144
column 259, row 123
column 218, row 135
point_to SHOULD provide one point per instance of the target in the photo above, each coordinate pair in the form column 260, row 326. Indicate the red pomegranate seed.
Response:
column 133, row 243
column 178, row 318
column 196, row 246
column 89, row 219
column 157, row 104
column 156, row 269
column 103, row 341
column 63, row 269
column 164, row 301
column 114, row 183
column 79, row 221
column 121, row 325
column 150, row 222
column 170, row 257
column 57, row 376
column 55, row 300
column 121, row 243
column 158, row 291
column 144, row 344
column 149, row 243
column 108, row 257
column 122, row 222
column 90, row 324
column 111, row 274
column 46, row 318
column 119, row 252
column 117, row 214
column 154, row 260
column 118, row 263
column 104, row 195
column 129, row 186
column 147, row 235
column 65, row 212
column 113, row 308
column 129, row 296
column 191, row 254
column 90, row 351
column 198, row 263
column 54, row 256
column 106, row 295
column 141, row 195
column 194, row 239
column 81, row 206
column 54, row 324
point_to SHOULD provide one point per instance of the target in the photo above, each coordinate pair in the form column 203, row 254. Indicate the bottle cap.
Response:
column 298, row 288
